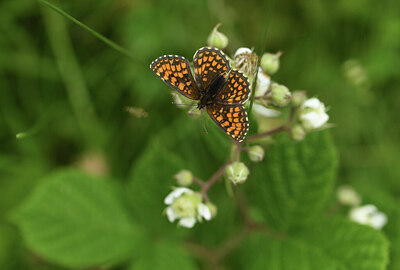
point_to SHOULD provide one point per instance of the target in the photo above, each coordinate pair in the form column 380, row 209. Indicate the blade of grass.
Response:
column 72, row 77
column 93, row 32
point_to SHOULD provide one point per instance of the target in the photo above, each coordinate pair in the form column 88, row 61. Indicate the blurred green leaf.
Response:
column 372, row 193
column 329, row 244
column 294, row 182
column 77, row 221
column 149, row 183
column 163, row 255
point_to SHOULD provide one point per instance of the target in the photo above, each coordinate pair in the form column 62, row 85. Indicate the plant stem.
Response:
column 205, row 186
column 267, row 133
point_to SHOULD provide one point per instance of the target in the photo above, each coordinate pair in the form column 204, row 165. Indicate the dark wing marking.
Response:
column 208, row 64
column 175, row 71
column 232, row 119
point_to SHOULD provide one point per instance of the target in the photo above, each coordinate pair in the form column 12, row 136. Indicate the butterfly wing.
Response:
column 208, row 64
column 232, row 119
column 236, row 89
column 175, row 71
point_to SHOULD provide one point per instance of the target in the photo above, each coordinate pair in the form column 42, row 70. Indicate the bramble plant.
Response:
column 203, row 200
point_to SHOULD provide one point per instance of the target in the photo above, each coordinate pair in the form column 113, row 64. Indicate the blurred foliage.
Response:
column 66, row 91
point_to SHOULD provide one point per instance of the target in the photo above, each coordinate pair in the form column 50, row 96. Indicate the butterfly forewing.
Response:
column 232, row 119
column 236, row 89
column 208, row 64
column 175, row 71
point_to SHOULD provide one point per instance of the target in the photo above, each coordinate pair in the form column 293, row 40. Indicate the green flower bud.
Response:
column 237, row 172
column 184, row 178
column 298, row 98
column 270, row 62
column 297, row 132
column 348, row 196
column 212, row 208
column 280, row 95
column 181, row 101
column 256, row 153
column 217, row 39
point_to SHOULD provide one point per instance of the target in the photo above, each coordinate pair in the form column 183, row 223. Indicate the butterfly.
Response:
column 217, row 88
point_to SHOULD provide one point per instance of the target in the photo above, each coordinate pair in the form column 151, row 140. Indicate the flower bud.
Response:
column 212, row 208
column 270, row 62
column 181, row 101
column 280, row 95
column 348, row 196
column 298, row 98
column 237, row 172
column 297, row 133
column 256, row 153
column 263, row 83
column 194, row 113
column 184, row 178
column 217, row 39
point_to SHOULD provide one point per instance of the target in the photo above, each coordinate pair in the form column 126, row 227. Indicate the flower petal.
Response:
column 175, row 194
column 378, row 220
column 187, row 222
column 171, row 214
column 242, row 50
column 204, row 211
column 261, row 110
column 312, row 103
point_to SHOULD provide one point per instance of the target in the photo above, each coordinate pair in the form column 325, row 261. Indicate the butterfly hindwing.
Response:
column 232, row 119
column 236, row 89
column 208, row 64
column 175, row 71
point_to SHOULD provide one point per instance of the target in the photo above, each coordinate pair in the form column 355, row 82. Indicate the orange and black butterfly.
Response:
column 217, row 87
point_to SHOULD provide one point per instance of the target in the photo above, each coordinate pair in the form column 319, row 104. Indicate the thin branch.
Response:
column 207, row 185
column 267, row 133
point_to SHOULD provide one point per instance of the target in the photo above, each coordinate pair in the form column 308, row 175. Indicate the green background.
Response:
column 67, row 91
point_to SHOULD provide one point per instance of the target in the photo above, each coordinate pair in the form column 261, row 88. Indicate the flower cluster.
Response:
column 269, row 100
column 362, row 214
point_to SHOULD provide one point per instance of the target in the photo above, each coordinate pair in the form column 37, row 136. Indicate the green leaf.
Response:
column 149, row 183
column 295, row 180
column 386, row 202
column 329, row 244
column 151, row 176
column 77, row 221
column 202, row 152
column 163, row 255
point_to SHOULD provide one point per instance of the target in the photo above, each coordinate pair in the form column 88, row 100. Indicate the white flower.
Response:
column 242, row 50
column 186, row 205
column 368, row 215
column 263, row 83
column 348, row 196
column 313, row 114
column 246, row 62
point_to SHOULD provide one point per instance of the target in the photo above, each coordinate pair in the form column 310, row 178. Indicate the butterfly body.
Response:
column 216, row 87
column 207, row 96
